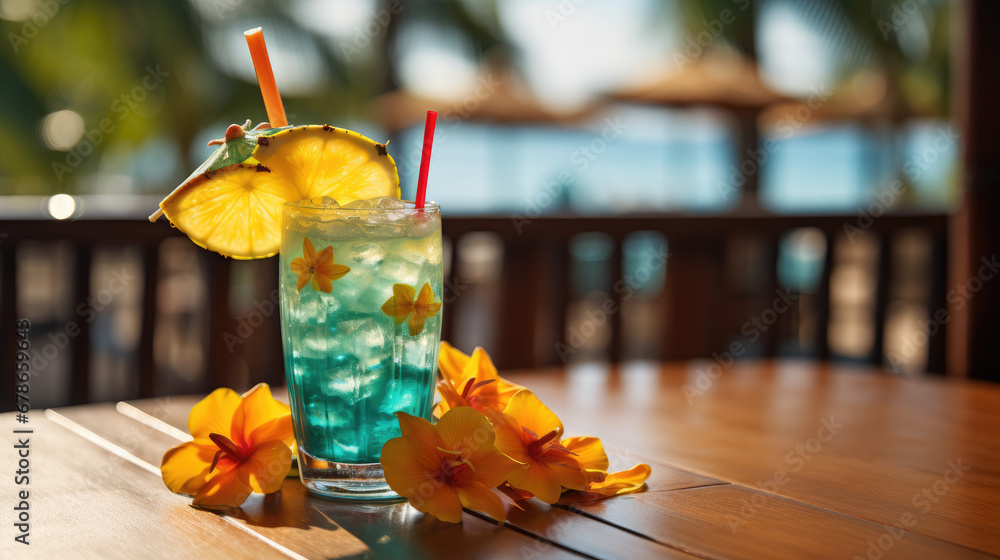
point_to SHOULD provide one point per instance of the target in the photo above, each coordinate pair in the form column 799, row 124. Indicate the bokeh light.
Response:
column 62, row 130
column 17, row 10
column 62, row 206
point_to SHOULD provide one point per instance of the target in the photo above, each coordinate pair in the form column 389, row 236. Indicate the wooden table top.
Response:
column 775, row 459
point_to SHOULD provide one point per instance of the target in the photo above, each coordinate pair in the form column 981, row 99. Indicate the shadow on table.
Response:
column 392, row 530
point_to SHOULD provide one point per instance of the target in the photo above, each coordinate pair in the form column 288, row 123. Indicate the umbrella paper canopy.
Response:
column 724, row 80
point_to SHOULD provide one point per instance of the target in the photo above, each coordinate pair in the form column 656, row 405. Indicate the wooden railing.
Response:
column 701, row 310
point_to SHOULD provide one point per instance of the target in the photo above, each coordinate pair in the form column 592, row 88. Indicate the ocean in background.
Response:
column 642, row 160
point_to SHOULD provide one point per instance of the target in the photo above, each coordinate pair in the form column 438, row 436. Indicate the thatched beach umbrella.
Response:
column 726, row 81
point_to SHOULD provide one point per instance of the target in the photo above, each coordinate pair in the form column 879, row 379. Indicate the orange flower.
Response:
column 601, row 484
column 444, row 467
column 471, row 381
column 401, row 304
column 241, row 445
column 551, row 466
column 318, row 267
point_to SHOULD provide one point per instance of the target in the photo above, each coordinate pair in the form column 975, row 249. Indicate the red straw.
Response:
column 425, row 157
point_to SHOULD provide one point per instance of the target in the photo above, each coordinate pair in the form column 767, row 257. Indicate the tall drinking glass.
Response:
column 361, row 287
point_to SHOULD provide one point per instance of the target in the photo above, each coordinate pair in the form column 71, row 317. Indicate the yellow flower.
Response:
column 551, row 466
column 471, row 381
column 318, row 267
column 444, row 467
column 401, row 304
column 601, row 484
column 241, row 445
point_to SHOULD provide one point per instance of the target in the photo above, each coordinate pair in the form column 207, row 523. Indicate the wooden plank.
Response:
column 564, row 525
column 754, row 419
column 317, row 528
column 282, row 518
column 548, row 526
column 736, row 522
column 85, row 502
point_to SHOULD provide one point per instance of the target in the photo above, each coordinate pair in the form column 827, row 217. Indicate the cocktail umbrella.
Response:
column 716, row 79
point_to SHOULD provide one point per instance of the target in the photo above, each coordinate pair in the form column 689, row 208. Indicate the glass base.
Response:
column 345, row 481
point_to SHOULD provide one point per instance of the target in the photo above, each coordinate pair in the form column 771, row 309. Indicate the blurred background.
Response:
column 621, row 181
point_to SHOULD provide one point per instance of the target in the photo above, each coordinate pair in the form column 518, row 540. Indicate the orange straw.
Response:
column 265, row 77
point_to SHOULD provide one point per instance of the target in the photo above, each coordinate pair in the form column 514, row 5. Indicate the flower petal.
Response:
column 570, row 474
column 322, row 282
column 538, row 480
column 214, row 414
column 411, row 466
column 530, row 413
column 449, row 398
column 479, row 366
column 308, row 251
column 416, row 324
column 485, row 398
column 412, row 469
column 400, row 304
column 623, row 482
column 403, row 293
column 332, row 271
column 479, row 497
column 589, row 452
column 419, row 429
column 444, row 504
column 266, row 468
column 223, row 490
column 493, row 467
column 389, row 308
column 280, row 429
column 299, row 265
column 325, row 256
column 185, row 467
column 452, row 362
column 463, row 429
column 630, row 479
column 428, row 310
column 259, row 409
column 509, row 439
column 426, row 295
column 303, row 279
